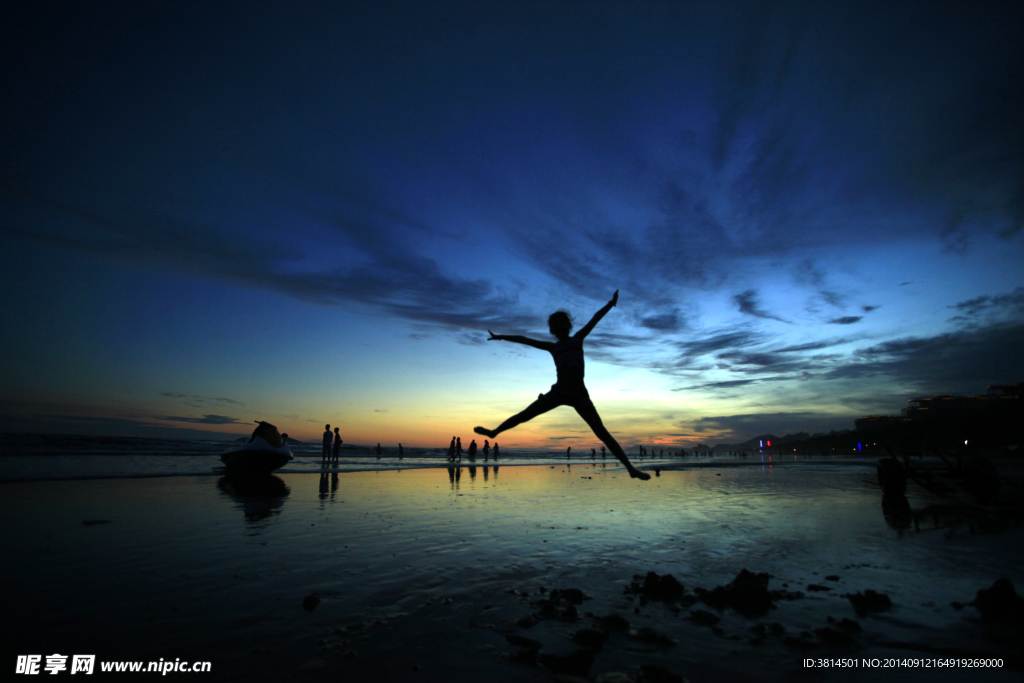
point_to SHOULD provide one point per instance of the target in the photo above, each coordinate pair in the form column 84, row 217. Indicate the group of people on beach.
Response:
column 333, row 441
column 455, row 450
column 331, row 455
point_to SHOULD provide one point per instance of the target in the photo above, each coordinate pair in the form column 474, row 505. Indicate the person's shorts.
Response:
column 559, row 397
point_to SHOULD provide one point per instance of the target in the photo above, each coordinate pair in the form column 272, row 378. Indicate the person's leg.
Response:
column 589, row 414
column 543, row 404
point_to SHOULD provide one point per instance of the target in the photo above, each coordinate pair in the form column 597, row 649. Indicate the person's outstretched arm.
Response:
column 585, row 330
column 519, row 339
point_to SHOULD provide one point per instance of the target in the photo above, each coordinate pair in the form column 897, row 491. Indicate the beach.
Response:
column 438, row 574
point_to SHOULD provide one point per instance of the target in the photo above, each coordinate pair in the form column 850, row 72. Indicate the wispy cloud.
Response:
column 205, row 419
column 747, row 303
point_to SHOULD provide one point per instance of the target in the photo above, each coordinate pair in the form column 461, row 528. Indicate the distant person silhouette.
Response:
column 379, row 449
column 568, row 452
column 568, row 389
column 593, row 453
column 327, row 441
column 337, row 444
column 496, row 453
column 472, row 450
column 458, row 448
column 486, row 449
column 401, row 451
column 451, row 450
column 603, row 454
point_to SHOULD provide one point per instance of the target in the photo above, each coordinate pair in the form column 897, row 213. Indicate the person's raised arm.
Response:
column 519, row 339
column 585, row 330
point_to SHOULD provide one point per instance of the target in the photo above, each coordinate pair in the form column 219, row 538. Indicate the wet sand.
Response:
column 421, row 575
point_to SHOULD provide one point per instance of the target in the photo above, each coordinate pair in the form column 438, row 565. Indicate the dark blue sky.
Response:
column 812, row 212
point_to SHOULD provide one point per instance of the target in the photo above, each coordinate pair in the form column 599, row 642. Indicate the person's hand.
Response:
column 615, row 298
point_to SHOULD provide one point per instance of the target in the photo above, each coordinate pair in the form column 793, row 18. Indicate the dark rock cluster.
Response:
column 868, row 601
column 748, row 594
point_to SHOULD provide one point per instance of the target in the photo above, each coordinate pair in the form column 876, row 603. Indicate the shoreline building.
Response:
column 995, row 417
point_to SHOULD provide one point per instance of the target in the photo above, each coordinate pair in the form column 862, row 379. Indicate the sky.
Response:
column 214, row 213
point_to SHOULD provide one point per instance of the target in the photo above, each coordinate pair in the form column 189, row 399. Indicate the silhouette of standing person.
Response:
column 451, row 450
column 337, row 443
column 496, row 453
column 327, row 442
column 472, row 450
column 379, row 449
column 568, row 389
column 401, row 451
column 568, row 452
column 486, row 449
column 458, row 448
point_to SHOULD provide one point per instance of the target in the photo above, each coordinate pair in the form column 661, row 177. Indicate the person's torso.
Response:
column 568, row 357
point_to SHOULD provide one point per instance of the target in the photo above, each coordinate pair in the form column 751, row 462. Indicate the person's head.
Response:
column 336, row 429
column 560, row 324
column 327, row 427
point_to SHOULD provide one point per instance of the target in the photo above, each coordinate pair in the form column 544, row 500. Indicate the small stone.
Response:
column 649, row 635
column 705, row 618
column 590, row 637
column 1000, row 603
column 835, row 637
column 869, row 601
column 614, row 677
column 520, row 641
column 576, row 664
column 612, row 622
column 656, row 673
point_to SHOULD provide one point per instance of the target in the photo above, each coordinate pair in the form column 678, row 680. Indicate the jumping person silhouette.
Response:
column 568, row 390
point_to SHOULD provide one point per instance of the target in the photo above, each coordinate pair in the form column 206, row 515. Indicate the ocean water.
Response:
column 421, row 573
column 35, row 457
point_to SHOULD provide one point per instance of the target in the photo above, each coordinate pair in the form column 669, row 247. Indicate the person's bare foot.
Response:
column 485, row 432
column 637, row 474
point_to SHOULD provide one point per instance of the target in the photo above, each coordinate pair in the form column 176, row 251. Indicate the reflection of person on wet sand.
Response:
column 568, row 389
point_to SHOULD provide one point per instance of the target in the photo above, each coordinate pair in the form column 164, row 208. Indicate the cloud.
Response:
column 747, row 303
column 740, row 427
column 846, row 320
column 963, row 361
column 198, row 400
column 724, row 340
column 205, row 419
column 1002, row 305
column 665, row 322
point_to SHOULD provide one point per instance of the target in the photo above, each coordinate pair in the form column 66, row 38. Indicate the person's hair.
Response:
column 327, row 426
column 560, row 319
